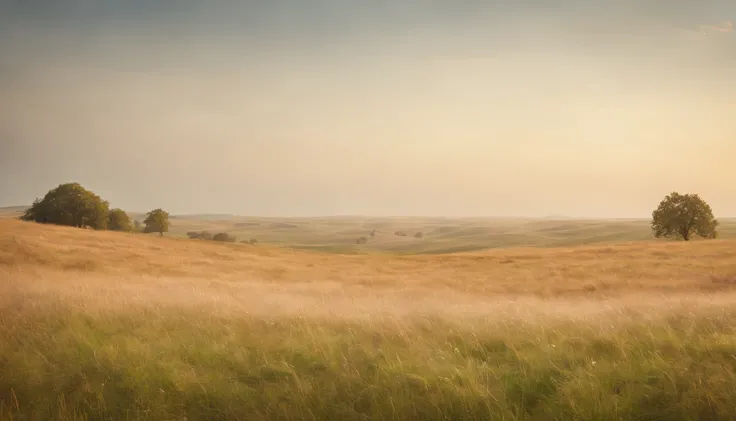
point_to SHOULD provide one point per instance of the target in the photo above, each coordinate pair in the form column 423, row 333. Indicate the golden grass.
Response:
column 101, row 325
column 47, row 252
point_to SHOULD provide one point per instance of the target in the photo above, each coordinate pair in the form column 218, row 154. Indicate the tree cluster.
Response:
column 72, row 205
column 224, row 237
column 200, row 235
column 206, row 235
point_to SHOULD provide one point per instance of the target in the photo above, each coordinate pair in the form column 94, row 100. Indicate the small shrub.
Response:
column 361, row 240
column 724, row 280
column 200, row 235
column 224, row 237
column 400, row 233
column 419, row 235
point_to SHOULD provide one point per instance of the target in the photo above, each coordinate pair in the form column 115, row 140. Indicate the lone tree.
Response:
column 157, row 220
column 119, row 221
column 683, row 216
column 69, row 204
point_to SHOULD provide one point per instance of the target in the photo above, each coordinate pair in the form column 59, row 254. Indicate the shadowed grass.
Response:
column 167, row 364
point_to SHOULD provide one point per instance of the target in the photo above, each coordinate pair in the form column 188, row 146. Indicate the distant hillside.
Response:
column 422, row 235
column 12, row 211
column 556, row 217
column 14, row 208
column 34, row 248
column 206, row 216
column 438, row 235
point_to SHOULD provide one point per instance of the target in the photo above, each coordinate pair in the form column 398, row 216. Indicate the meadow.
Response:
column 338, row 234
column 596, row 323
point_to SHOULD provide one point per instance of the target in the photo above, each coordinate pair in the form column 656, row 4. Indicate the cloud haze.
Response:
column 435, row 107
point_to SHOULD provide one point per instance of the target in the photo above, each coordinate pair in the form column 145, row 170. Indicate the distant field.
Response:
column 114, row 326
column 441, row 235
column 12, row 211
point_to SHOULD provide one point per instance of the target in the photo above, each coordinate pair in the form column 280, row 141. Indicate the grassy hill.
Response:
column 101, row 325
column 615, row 268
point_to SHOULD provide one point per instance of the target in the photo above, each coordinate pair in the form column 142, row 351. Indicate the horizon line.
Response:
column 540, row 217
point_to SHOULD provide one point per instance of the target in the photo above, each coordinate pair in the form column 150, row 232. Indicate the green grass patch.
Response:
column 169, row 365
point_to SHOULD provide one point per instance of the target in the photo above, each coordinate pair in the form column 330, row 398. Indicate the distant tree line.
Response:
column 221, row 237
column 372, row 234
column 206, row 235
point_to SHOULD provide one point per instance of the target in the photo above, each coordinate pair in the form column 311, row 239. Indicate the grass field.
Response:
column 441, row 235
column 108, row 326
column 338, row 234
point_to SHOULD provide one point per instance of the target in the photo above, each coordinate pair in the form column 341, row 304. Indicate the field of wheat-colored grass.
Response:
column 101, row 325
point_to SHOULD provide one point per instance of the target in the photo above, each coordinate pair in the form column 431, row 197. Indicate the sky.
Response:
column 587, row 108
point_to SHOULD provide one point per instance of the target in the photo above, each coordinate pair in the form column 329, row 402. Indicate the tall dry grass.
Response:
column 611, row 269
column 106, row 326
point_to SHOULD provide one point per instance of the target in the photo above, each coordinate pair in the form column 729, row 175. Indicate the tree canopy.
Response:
column 118, row 220
column 157, row 220
column 69, row 204
column 682, row 216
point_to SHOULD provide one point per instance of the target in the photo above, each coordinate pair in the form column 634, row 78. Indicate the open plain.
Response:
column 100, row 325
column 251, row 210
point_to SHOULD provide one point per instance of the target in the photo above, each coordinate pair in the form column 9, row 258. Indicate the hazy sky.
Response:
column 376, row 107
